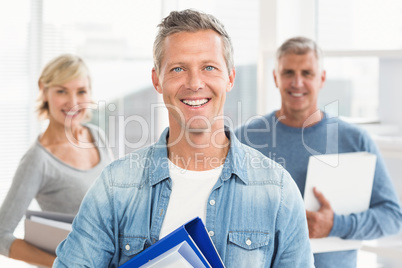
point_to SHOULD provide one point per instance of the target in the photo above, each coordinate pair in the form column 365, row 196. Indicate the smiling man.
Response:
column 250, row 205
column 299, row 129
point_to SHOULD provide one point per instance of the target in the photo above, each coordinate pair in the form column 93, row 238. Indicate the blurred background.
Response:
column 361, row 39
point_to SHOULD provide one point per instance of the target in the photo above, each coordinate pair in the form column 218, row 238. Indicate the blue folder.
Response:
column 195, row 233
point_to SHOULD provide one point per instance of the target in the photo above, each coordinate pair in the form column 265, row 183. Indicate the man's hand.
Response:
column 320, row 222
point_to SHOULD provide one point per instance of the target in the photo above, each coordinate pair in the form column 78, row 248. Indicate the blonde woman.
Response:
column 63, row 161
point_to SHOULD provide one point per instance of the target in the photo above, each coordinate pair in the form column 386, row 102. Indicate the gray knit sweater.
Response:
column 55, row 185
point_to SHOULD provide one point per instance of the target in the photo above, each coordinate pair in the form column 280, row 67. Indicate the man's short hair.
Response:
column 190, row 21
column 299, row 46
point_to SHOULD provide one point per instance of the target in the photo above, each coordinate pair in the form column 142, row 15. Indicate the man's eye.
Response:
column 287, row 73
column 177, row 69
column 209, row 68
column 61, row 91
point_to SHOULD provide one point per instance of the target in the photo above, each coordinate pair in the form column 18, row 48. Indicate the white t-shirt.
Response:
column 189, row 197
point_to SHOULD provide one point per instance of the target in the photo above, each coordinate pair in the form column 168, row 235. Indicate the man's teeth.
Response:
column 195, row 103
column 297, row 94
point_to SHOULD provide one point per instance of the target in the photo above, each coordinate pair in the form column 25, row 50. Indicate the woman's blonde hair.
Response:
column 59, row 71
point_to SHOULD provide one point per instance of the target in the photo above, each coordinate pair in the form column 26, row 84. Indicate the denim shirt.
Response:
column 255, row 200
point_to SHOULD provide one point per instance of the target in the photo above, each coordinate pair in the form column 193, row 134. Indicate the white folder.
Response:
column 346, row 180
column 180, row 256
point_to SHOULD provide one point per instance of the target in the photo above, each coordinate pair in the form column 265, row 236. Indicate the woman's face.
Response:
column 68, row 102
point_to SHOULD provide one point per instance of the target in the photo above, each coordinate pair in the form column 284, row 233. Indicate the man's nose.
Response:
column 195, row 80
column 297, row 81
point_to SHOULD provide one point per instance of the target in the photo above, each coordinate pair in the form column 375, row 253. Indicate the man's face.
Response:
column 299, row 80
column 194, row 80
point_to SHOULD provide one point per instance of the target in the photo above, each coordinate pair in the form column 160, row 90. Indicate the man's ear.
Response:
column 155, row 81
column 232, row 76
column 275, row 78
column 323, row 78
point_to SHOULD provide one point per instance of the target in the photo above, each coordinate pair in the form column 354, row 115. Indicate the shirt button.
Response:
column 212, row 202
column 211, row 233
column 248, row 242
column 127, row 247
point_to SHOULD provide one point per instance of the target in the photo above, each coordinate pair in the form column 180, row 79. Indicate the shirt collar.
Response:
column 234, row 162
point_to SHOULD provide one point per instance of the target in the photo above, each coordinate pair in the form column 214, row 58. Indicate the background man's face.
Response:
column 299, row 80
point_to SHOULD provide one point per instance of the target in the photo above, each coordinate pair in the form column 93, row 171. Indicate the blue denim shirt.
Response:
column 255, row 199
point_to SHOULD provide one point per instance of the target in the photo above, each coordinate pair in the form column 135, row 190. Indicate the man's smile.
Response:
column 195, row 103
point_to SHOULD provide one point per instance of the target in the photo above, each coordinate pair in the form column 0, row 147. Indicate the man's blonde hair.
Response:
column 191, row 21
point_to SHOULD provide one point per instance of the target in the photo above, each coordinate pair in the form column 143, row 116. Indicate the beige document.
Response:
column 346, row 180
column 46, row 230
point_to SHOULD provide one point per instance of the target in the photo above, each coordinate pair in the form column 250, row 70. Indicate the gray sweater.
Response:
column 55, row 185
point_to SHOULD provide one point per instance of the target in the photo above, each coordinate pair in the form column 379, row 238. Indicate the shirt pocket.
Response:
column 129, row 247
column 247, row 248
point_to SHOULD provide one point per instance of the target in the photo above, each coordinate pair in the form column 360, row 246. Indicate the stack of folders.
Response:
column 46, row 230
column 187, row 246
